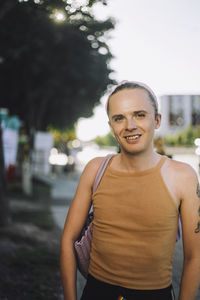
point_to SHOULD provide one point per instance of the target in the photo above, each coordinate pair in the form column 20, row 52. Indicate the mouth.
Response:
column 132, row 137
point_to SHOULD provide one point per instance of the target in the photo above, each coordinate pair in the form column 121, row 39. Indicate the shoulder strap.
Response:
column 161, row 162
column 101, row 171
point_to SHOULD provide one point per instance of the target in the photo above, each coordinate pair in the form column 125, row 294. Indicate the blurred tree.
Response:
column 107, row 140
column 65, row 135
column 53, row 61
column 62, row 138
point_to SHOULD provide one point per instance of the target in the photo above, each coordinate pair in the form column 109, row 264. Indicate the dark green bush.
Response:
column 183, row 138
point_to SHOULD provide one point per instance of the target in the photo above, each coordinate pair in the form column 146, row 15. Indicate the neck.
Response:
column 137, row 162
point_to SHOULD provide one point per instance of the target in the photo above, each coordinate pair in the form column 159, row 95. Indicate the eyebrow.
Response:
column 115, row 116
column 135, row 112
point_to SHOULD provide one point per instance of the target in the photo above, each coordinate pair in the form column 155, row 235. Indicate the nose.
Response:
column 131, row 124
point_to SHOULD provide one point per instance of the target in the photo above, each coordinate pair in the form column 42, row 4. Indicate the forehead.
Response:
column 130, row 100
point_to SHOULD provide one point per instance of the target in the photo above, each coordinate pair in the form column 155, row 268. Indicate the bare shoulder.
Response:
column 94, row 164
column 182, row 176
column 179, row 177
column 181, row 169
column 91, row 169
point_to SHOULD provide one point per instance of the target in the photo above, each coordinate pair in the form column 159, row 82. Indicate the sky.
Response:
column 154, row 41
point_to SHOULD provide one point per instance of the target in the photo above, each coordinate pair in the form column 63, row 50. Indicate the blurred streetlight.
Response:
column 58, row 16
column 56, row 158
column 197, row 151
column 197, row 143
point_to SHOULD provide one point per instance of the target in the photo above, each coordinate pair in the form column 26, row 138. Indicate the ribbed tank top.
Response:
column 134, row 232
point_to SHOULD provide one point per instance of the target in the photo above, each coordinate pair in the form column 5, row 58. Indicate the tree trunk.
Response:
column 4, row 207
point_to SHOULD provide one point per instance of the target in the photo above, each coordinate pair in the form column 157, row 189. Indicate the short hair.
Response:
column 134, row 85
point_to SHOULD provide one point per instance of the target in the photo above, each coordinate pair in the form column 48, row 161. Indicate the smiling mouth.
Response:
column 133, row 137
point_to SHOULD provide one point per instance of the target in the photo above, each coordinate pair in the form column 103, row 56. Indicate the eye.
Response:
column 140, row 115
column 118, row 118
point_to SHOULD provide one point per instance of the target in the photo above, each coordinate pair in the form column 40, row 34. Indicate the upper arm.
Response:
column 190, row 212
column 81, row 202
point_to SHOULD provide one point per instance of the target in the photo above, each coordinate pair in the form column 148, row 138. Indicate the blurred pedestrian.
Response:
column 136, row 211
column 159, row 147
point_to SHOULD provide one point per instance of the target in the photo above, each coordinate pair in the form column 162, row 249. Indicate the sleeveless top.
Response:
column 134, row 229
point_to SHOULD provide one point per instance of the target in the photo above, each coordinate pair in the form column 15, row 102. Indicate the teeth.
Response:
column 133, row 137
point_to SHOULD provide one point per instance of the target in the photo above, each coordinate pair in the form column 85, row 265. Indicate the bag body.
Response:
column 83, row 245
column 82, row 250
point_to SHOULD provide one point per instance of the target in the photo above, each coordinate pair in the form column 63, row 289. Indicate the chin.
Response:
column 130, row 150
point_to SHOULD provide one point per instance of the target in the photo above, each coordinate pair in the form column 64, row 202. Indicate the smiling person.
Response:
column 136, row 211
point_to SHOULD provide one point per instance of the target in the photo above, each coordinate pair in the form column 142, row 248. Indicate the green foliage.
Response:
column 184, row 138
column 107, row 140
column 64, row 135
column 43, row 218
column 41, row 191
column 52, row 72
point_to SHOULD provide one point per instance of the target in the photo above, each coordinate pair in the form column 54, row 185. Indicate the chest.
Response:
column 143, row 199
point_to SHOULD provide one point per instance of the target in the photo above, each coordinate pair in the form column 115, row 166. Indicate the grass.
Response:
column 41, row 218
column 39, row 190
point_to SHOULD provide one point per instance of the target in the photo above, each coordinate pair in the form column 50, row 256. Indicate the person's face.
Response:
column 132, row 120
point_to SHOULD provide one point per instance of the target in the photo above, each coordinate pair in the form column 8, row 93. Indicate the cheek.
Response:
column 149, row 128
column 152, row 124
column 117, row 127
column 116, row 132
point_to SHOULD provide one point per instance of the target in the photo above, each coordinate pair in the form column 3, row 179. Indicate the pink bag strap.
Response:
column 101, row 171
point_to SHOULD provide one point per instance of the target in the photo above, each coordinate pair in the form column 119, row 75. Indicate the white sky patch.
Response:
column 97, row 125
column 156, row 42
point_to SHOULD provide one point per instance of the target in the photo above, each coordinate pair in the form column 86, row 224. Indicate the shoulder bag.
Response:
column 83, row 245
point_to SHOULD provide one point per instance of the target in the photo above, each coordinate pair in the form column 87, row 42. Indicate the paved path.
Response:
column 63, row 189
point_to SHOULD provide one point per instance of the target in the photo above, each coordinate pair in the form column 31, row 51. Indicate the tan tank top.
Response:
column 134, row 232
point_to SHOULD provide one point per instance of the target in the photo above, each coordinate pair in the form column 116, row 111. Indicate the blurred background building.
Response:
column 179, row 112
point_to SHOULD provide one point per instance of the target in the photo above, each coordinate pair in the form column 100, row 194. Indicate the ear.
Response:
column 158, row 121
